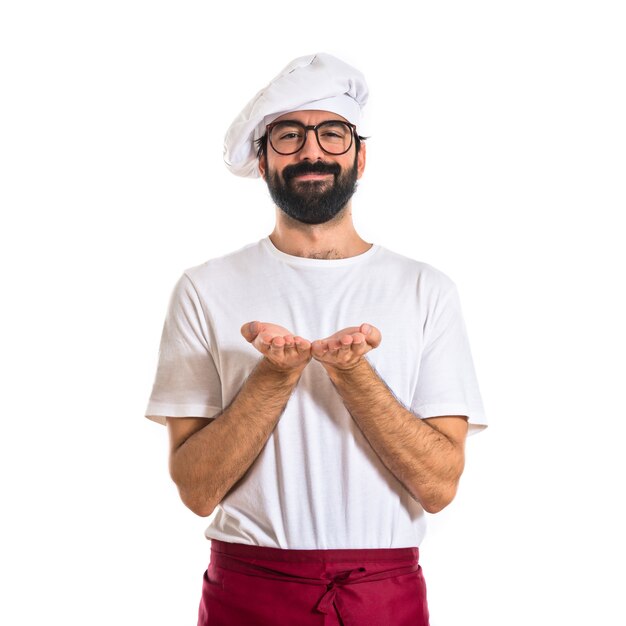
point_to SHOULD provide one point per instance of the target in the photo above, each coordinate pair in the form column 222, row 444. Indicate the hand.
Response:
column 282, row 350
column 345, row 349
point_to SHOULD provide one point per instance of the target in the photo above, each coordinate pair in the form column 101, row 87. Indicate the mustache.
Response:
column 310, row 168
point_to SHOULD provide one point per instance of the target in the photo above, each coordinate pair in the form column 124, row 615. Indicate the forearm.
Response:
column 424, row 460
column 210, row 462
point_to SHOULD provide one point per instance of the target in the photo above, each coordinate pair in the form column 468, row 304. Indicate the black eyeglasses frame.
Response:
column 268, row 130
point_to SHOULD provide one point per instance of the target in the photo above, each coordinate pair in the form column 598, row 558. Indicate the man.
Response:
column 317, row 388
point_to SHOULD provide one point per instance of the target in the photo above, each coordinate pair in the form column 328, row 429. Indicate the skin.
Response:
column 209, row 456
column 334, row 239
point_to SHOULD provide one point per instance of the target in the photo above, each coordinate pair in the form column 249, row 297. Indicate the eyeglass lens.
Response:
column 335, row 137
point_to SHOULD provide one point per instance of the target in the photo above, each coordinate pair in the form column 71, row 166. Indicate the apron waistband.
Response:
column 374, row 564
column 264, row 553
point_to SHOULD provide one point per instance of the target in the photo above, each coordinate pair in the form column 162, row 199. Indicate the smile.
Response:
column 312, row 176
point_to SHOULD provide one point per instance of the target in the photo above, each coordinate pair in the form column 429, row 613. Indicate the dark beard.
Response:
column 312, row 201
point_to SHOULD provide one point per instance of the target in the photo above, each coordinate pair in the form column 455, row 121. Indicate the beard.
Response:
column 312, row 201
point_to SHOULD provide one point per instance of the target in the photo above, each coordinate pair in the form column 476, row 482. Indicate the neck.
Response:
column 336, row 239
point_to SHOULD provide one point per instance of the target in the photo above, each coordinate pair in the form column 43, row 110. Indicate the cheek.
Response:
column 271, row 169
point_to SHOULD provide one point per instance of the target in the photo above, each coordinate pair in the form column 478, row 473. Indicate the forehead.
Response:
column 310, row 117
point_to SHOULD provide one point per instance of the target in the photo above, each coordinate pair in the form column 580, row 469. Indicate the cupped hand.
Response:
column 283, row 350
column 345, row 349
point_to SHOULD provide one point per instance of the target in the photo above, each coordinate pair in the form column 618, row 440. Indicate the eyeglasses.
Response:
column 333, row 136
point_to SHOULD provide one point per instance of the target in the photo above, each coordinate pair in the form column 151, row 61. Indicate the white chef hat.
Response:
column 317, row 81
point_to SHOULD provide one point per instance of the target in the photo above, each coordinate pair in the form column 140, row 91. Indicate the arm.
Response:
column 426, row 457
column 208, row 459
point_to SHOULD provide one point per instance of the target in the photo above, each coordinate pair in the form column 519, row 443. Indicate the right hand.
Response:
column 282, row 350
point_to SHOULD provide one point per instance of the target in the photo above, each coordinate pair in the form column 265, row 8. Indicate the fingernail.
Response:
column 366, row 328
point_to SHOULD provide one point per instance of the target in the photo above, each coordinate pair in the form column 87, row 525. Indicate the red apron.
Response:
column 256, row 586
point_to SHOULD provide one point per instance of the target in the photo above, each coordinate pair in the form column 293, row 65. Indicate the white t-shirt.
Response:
column 317, row 484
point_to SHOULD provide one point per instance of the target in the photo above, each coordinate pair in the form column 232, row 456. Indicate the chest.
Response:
column 316, row 306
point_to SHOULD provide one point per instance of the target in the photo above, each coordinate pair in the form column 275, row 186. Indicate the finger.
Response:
column 302, row 345
column 319, row 348
column 250, row 330
column 345, row 343
column 333, row 344
column 372, row 335
column 276, row 351
column 290, row 345
column 278, row 343
column 359, row 349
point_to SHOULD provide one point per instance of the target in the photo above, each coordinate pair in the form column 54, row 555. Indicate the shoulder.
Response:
column 231, row 259
column 223, row 267
column 427, row 277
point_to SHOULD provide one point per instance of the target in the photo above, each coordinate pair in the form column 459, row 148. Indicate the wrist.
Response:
column 286, row 373
column 345, row 372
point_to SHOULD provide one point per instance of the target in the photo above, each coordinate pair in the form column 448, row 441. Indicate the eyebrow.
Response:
column 303, row 124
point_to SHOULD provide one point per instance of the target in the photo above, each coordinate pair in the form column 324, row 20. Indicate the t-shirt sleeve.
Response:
column 187, row 382
column 447, row 383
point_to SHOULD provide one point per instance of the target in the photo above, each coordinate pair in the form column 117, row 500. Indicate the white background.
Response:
column 497, row 154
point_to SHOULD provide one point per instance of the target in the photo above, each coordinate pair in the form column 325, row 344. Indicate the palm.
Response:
column 282, row 349
column 345, row 348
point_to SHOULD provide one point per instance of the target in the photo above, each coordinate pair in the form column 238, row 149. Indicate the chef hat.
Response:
column 317, row 81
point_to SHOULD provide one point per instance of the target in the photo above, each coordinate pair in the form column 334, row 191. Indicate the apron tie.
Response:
column 360, row 574
column 327, row 600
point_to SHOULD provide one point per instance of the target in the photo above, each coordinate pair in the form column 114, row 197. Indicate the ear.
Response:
column 263, row 165
column 361, row 158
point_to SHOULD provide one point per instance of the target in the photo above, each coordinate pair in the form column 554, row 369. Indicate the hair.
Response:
column 261, row 144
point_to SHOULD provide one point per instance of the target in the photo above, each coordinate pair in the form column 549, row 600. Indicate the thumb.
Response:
column 372, row 335
column 250, row 330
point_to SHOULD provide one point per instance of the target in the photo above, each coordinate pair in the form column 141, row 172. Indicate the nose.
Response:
column 311, row 149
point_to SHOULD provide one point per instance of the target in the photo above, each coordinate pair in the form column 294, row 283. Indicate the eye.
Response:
column 334, row 131
column 289, row 135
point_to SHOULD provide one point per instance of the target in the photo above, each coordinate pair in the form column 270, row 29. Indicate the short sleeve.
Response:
column 187, row 383
column 447, row 383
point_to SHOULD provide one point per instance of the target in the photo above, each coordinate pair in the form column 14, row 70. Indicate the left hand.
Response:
column 345, row 349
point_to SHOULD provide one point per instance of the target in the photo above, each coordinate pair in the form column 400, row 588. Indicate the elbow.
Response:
column 194, row 500
column 201, row 511
column 436, row 501
column 435, row 507
column 201, row 507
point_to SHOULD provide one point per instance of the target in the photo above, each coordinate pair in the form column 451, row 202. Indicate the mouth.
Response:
column 312, row 176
